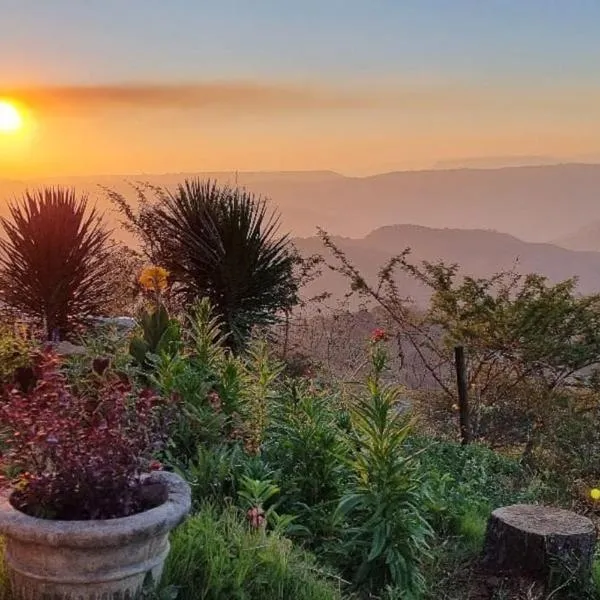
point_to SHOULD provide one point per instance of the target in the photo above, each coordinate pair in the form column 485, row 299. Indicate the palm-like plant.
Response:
column 54, row 260
column 221, row 243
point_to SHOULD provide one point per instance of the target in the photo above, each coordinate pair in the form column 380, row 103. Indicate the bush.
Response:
column 468, row 482
column 216, row 556
column 79, row 457
column 55, row 260
column 307, row 448
column 219, row 243
column 14, row 354
column 211, row 384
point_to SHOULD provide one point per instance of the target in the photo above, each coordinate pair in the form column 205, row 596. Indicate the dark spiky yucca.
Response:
column 54, row 260
column 221, row 243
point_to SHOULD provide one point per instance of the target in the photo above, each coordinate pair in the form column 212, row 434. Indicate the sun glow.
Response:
column 11, row 119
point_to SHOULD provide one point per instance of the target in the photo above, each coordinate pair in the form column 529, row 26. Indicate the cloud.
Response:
column 203, row 96
column 255, row 97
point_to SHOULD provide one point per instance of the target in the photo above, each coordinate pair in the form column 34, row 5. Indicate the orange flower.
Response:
column 154, row 279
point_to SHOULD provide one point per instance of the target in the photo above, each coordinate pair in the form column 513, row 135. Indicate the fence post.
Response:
column 463, row 398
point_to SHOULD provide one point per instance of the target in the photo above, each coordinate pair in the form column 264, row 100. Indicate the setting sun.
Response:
column 10, row 118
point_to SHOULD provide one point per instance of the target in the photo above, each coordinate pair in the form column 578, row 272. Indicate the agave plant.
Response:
column 54, row 260
column 221, row 243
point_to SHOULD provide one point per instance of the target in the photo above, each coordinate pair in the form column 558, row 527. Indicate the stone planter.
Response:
column 92, row 560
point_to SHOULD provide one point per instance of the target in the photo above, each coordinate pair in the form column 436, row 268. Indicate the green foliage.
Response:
column 105, row 347
column 215, row 472
column 210, row 383
column 256, row 492
column 308, row 449
column 386, row 534
column 568, row 449
column 55, row 260
column 198, row 422
column 206, row 336
column 216, row 556
column 527, row 339
column 468, row 482
column 263, row 373
column 15, row 352
column 160, row 335
column 220, row 243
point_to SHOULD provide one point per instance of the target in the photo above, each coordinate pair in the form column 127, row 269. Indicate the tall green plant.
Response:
column 55, row 260
column 221, row 243
column 385, row 531
column 159, row 334
column 309, row 449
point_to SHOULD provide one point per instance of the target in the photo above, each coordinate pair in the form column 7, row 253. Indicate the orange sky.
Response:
column 215, row 126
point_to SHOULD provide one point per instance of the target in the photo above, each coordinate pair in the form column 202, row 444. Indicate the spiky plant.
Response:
column 54, row 260
column 221, row 243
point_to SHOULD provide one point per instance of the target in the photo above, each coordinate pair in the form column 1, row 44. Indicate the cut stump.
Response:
column 528, row 539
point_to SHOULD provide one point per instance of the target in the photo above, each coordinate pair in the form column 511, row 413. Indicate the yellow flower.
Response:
column 154, row 279
column 595, row 494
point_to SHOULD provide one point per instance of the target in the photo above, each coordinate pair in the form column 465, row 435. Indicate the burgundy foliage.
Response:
column 80, row 456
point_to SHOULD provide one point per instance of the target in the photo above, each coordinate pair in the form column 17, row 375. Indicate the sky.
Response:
column 355, row 86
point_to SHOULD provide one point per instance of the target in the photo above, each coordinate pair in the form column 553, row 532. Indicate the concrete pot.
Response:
column 92, row 560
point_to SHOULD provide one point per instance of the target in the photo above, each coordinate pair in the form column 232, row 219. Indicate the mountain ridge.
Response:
column 535, row 203
column 479, row 253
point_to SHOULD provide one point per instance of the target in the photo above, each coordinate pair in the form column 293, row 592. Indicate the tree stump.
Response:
column 532, row 539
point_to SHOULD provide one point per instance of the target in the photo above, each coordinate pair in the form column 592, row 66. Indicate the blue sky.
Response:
column 351, row 85
column 86, row 41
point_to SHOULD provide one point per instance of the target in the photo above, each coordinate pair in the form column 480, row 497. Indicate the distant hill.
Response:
column 535, row 203
column 478, row 252
column 586, row 238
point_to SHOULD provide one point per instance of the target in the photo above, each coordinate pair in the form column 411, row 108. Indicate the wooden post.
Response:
column 463, row 398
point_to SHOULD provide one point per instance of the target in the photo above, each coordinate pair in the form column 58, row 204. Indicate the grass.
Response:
column 216, row 556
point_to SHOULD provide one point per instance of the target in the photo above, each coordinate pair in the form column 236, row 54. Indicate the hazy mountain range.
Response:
column 478, row 252
column 534, row 203
column 455, row 215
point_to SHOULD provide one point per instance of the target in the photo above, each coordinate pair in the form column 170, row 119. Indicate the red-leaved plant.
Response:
column 79, row 457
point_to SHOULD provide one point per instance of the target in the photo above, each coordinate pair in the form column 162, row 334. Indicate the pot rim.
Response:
column 102, row 533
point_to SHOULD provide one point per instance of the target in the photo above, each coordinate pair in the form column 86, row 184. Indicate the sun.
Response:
column 10, row 117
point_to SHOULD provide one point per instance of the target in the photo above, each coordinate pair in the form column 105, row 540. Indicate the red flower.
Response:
column 378, row 335
column 155, row 465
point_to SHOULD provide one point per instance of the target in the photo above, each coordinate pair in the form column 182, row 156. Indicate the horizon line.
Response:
column 126, row 175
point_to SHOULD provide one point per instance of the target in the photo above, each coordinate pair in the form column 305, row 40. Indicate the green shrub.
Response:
column 159, row 335
column 466, row 481
column 568, row 452
column 217, row 556
column 104, row 347
column 14, row 353
column 307, row 449
column 215, row 473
